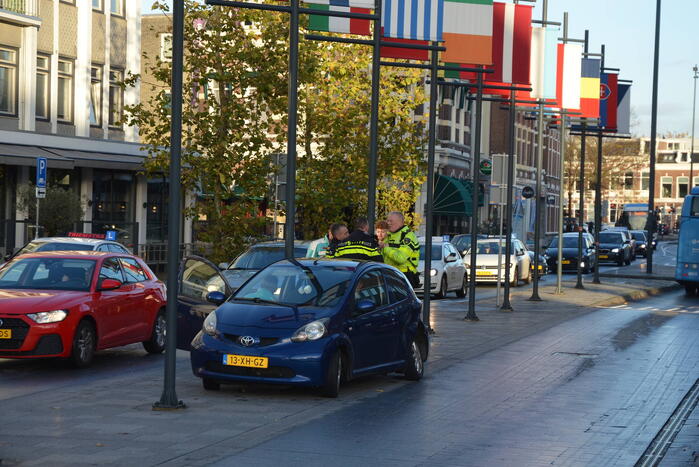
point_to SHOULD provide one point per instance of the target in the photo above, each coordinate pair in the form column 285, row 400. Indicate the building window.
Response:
column 8, row 81
column 116, row 97
column 696, row 182
column 117, row 7
column 96, row 96
column 628, row 181
column 166, row 47
column 97, row 5
column 42, row 87
column 645, row 180
column 666, row 187
column 65, row 91
column 682, row 187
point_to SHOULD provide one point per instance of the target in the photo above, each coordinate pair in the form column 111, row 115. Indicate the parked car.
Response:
column 70, row 304
column 257, row 257
column 447, row 271
column 543, row 263
column 313, row 323
column 79, row 242
column 487, row 261
column 641, row 238
column 570, row 253
column 614, row 247
column 462, row 242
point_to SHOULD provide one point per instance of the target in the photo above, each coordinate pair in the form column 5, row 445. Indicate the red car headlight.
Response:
column 46, row 317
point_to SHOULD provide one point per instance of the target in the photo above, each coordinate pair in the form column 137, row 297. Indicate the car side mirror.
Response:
column 109, row 284
column 451, row 257
column 217, row 298
column 627, row 242
column 222, row 266
column 520, row 253
column 364, row 306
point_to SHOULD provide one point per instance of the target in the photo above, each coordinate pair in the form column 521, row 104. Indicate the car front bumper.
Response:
column 31, row 340
column 302, row 363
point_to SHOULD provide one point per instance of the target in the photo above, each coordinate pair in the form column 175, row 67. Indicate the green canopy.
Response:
column 452, row 197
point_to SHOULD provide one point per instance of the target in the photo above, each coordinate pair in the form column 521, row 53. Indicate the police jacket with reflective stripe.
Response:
column 359, row 245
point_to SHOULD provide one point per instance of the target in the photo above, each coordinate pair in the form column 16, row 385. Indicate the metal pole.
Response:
column 598, row 191
column 168, row 399
column 537, row 222
column 36, row 232
column 476, row 159
column 561, row 172
column 581, row 219
column 432, row 136
column 290, row 233
column 276, row 195
column 501, row 215
column 506, row 305
column 653, row 135
column 374, row 120
column 694, row 113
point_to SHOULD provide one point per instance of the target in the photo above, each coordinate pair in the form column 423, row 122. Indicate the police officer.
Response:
column 359, row 245
column 401, row 248
column 338, row 234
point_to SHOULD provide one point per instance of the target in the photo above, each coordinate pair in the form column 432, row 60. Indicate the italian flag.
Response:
column 468, row 31
column 341, row 25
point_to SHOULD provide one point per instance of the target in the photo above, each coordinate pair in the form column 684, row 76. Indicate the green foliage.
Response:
column 58, row 212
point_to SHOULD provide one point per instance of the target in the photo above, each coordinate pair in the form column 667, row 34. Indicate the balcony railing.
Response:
column 23, row 7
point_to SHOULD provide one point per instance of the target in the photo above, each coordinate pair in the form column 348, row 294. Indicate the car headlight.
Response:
column 433, row 272
column 643, row 245
column 582, row 264
column 615, row 250
column 311, row 331
column 209, row 326
column 45, row 317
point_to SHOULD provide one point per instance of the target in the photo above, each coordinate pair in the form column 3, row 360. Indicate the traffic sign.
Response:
column 527, row 192
column 40, row 192
column 41, row 165
column 486, row 167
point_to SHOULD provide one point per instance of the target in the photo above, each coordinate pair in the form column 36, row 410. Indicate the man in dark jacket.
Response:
column 359, row 245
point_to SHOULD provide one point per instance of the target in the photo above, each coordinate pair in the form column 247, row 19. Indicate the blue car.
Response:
column 313, row 323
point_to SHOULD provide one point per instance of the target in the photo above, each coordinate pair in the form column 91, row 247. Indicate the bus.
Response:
column 634, row 216
column 687, row 269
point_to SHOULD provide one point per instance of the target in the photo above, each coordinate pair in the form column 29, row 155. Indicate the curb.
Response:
column 637, row 295
column 638, row 276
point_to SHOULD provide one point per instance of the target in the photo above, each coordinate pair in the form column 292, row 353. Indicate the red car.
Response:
column 70, row 304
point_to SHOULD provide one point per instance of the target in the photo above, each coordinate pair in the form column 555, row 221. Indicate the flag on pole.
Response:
column 512, row 30
column 568, row 76
column 413, row 19
column 405, row 54
column 608, row 101
column 468, row 31
column 623, row 117
column 337, row 24
column 369, row 4
column 589, row 87
column 543, row 64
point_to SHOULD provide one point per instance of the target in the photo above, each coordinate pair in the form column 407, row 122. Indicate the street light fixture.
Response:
column 694, row 113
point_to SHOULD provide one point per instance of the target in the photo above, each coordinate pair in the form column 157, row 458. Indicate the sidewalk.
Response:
column 56, row 417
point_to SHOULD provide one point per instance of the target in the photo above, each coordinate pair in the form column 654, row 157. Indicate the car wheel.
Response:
column 461, row 293
column 528, row 280
column 515, row 278
column 333, row 377
column 156, row 344
column 84, row 344
column 210, row 384
column 414, row 366
column 442, row 288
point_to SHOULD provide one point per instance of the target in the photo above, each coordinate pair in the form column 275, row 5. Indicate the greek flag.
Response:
column 420, row 20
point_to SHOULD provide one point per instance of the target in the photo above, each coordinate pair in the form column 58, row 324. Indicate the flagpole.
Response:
column 374, row 118
column 579, row 283
column 598, row 187
column 537, row 215
column 432, row 136
column 653, row 135
column 506, row 305
column 471, row 314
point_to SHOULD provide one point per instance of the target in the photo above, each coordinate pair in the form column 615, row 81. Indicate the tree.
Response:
column 58, row 212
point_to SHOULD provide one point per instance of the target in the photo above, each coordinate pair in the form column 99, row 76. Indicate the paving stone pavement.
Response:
column 102, row 416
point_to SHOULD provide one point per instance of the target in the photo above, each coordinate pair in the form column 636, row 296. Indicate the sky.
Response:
column 627, row 28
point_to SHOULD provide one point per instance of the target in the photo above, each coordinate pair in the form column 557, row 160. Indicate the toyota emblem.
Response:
column 247, row 341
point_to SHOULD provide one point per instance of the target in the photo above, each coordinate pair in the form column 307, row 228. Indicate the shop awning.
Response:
column 12, row 154
column 452, row 197
column 100, row 160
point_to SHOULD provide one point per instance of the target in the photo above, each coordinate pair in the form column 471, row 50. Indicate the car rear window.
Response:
column 261, row 257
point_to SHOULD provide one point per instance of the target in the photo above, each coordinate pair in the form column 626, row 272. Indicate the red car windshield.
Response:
column 47, row 274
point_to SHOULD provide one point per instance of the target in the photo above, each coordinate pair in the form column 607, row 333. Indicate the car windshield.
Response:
column 285, row 283
column 610, row 237
column 54, row 246
column 639, row 236
column 436, row 252
column 261, row 257
column 491, row 248
column 47, row 274
column 568, row 242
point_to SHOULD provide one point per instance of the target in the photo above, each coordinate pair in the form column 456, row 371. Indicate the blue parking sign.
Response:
column 111, row 235
column 41, row 165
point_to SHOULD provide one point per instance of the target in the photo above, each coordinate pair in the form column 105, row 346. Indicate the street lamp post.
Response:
column 694, row 113
column 653, row 138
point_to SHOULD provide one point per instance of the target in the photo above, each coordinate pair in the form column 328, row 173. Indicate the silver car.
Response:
column 447, row 271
